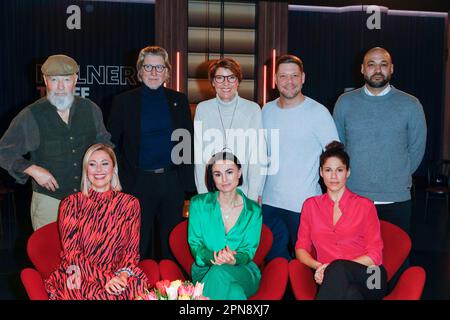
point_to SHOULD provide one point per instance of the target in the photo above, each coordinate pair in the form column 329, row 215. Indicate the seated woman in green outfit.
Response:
column 224, row 232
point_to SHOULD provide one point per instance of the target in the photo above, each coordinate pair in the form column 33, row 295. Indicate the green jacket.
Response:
column 206, row 233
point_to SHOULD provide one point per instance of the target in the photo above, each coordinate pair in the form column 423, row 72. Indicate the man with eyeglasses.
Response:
column 305, row 127
column 141, row 123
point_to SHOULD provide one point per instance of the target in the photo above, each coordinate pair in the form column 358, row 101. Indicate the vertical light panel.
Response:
column 274, row 56
column 178, row 70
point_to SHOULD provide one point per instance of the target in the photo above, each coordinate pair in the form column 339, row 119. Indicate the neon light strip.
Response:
column 274, row 55
column 178, row 70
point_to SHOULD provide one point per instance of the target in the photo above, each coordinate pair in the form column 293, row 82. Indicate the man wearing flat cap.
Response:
column 55, row 130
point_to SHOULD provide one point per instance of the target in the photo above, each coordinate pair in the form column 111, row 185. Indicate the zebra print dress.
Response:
column 99, row 236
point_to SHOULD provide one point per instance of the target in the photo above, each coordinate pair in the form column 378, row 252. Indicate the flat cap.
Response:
column 59, row 65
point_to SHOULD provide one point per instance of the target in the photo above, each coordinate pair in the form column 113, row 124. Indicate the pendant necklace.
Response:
column 225, row 132
column 226, row 213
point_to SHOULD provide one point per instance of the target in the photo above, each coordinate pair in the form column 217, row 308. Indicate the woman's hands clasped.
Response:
column 224, row 256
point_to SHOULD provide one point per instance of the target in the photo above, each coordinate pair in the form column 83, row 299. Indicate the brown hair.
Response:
column 223, row 155
column 289, row 58
column 335, row 149
column 227, row 63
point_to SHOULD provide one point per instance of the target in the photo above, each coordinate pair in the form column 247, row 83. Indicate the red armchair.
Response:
column 397, row 246
column 274, row 275
column 44, row 249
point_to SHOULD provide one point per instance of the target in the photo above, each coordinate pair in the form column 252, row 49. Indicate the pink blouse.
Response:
column 355, row 234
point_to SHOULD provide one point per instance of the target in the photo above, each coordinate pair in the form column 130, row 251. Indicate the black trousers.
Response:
column 161, row 197
column 398, row 213
column 348, row 280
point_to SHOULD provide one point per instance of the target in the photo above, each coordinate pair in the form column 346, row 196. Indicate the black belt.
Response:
column 160, row 170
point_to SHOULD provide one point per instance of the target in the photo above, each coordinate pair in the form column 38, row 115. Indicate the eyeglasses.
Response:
column 221, row 79
column 149, row 67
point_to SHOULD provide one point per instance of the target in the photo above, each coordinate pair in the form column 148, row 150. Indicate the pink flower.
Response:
column 175, row 290
column 186, row 289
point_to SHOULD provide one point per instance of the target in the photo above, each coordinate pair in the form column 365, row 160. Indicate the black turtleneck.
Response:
column 156, row 130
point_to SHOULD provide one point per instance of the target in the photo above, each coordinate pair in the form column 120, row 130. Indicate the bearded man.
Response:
column 384, row 131
column 55, row 131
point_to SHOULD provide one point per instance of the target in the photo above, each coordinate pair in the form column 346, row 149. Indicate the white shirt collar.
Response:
column 382, row 93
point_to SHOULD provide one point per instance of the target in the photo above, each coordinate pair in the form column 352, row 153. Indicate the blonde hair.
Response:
column 154, row 51
column 85, row 183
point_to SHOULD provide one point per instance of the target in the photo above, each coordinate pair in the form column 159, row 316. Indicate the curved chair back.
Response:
column 44, row 249
column 396, row 247
column 265, row 243
column 180, row 247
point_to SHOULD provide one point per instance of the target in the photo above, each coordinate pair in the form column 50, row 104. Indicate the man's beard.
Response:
column 379, row 83
column 62, row 103
column 290, row 95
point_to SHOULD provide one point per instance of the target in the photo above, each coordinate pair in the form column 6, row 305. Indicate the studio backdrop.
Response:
column 332, row 42
column 104, row 37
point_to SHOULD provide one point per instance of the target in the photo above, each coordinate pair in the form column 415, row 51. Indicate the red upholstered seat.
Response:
column 274, row 274
column 44, row 248
column 397, row 246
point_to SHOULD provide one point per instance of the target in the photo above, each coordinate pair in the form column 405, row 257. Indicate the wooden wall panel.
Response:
column 171, row 31
column 208, row 40
column 272, row 34
column 237, row 15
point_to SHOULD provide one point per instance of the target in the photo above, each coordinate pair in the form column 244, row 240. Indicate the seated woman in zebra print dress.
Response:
column 99, row 230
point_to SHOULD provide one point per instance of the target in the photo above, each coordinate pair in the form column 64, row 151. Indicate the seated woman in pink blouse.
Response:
column 343, row 229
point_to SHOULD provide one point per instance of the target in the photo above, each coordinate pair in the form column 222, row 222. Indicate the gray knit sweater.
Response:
column 252, row 153
column 385, row 137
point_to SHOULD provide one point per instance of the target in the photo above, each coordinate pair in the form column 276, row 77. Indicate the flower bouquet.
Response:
column 175, row 290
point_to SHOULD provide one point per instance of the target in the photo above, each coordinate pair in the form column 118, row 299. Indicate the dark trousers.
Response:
column 161, row 197
column 349, row 280
column 398, row 213
column 284, row 226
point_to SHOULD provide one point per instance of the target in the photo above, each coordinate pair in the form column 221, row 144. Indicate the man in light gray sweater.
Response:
column 384, row 131
column 304, row 128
